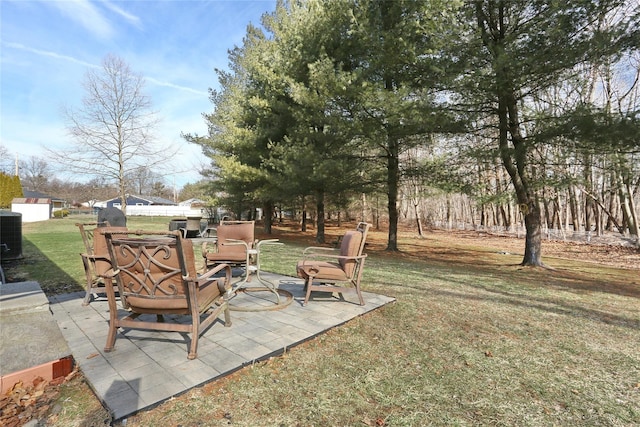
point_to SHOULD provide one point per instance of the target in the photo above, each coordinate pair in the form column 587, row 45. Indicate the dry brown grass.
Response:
column 473, row 339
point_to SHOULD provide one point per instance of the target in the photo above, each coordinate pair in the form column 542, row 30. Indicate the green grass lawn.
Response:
column 475, row 340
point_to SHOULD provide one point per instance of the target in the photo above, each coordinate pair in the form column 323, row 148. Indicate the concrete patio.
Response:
column 149, row 367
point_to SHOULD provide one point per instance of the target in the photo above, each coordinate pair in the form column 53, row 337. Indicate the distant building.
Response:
column 56, row 203
column 36, row 206
column 135, row 201
column 193, row 203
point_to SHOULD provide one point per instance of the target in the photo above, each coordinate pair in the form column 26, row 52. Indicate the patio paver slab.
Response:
column 147, row 367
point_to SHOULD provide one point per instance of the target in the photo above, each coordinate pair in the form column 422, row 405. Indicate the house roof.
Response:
column 28, row 194
column 31, row 201
column 193, row 201
column 151, row 199
column 158, row 200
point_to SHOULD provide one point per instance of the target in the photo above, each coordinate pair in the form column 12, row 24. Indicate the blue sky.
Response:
column 47, row 47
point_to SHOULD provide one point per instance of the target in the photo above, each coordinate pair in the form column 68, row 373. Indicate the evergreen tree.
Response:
column 510, row 53
column 10, row 188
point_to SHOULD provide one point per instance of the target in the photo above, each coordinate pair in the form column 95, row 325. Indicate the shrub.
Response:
column 10, row 188
column 61, row 213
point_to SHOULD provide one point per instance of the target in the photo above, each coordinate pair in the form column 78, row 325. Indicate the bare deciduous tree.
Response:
column 5, row 161
column 112, row 130
column 35, row 173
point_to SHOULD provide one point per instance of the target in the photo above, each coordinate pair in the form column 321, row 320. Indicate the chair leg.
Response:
column 308, row 284
column 360, row 295
column 193, row 349
column 111, row 337
column 89, row 277
column 87, row 298
column 195, row 334
column 227, row 315
column 113, row 319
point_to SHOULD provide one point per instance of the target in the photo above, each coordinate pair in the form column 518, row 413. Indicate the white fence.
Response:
column 178, row 211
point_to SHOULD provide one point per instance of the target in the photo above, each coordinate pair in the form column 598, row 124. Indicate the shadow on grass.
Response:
column 584, row 278
column 35, row 266
column 553, row 304
column 550, row 305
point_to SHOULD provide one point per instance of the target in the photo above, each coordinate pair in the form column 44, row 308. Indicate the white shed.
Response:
column 32, row 209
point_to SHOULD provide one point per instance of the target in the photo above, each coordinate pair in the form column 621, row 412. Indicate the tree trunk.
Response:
column 416, row 210
column 575, row 208
column 393, row 176
column 503, row 215
column 364, row 213
column 589, row 206
column 620, row 228
column 473, row 215
column 559, row 216
column 320, row 214
column 628, row 207
column 612, row 208
column 515, row 160
column 376, row 213
column 516, row 168
column 122, row 184
column 267, row 214
column 548, row 214
column 303, row 221
column 634, row 226
column 533, row 240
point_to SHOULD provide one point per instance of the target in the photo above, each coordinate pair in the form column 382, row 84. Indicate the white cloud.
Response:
column 48, row 54
column 175, row 86
column 87, row 15
column 174, row 44
column 133, row 19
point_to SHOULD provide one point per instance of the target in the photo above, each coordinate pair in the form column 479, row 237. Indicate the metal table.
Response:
column 253, row 269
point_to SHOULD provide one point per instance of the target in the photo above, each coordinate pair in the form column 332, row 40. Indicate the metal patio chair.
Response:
column 156, row 275
column 232, row 244
column 95, row 257
column 335, row 270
